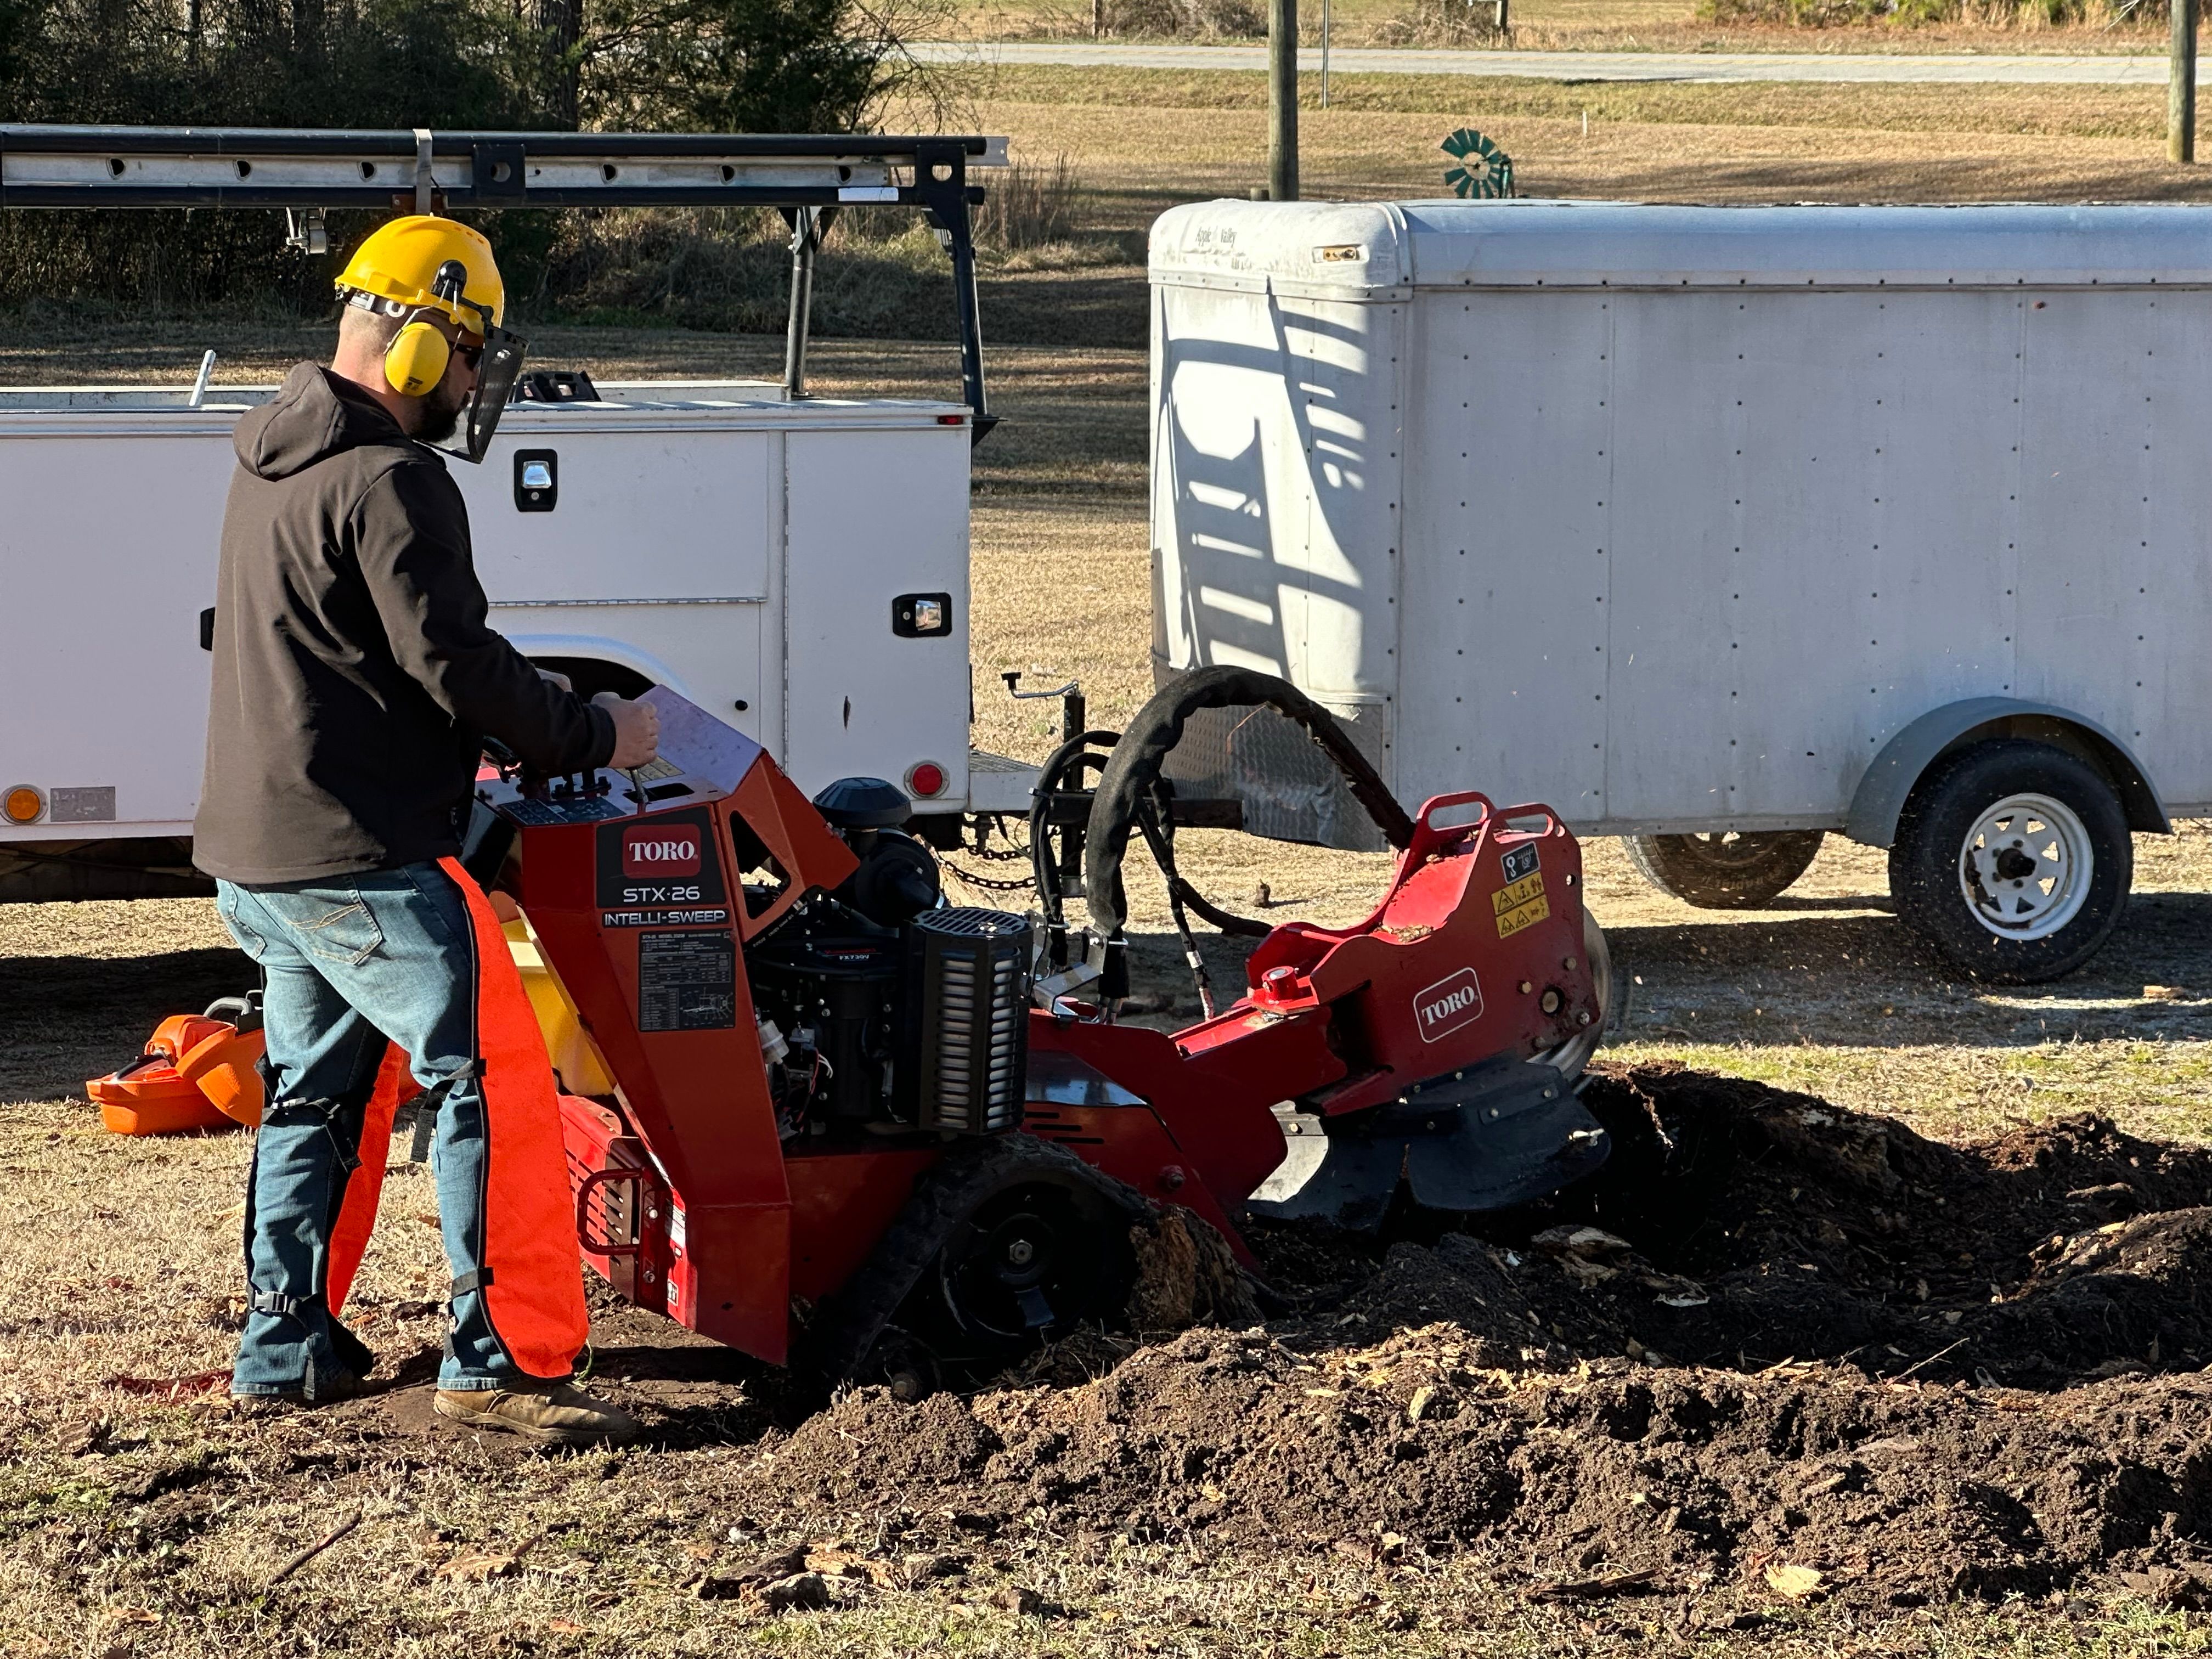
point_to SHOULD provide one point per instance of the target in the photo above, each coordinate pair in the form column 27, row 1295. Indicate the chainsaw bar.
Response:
column 1484, row 1137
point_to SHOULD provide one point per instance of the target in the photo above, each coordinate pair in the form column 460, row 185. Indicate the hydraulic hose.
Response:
column 1131, row 789
column 1074, row 753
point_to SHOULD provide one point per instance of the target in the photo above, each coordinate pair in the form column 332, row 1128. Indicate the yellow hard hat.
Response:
column 400, row 262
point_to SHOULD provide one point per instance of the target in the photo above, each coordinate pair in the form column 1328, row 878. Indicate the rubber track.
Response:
column 947, row 1193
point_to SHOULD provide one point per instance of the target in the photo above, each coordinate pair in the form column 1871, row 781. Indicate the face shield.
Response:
column 497, row 370
column 497, row 367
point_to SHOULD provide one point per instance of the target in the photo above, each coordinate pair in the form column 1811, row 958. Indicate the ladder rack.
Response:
column 307, row 172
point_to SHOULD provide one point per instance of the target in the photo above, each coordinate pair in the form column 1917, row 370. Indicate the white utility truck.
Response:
column 797, row 565
column 1717, row 528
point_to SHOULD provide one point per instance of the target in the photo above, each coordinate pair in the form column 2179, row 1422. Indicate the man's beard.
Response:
column 438, row 416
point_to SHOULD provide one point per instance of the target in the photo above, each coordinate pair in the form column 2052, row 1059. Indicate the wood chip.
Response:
column 1419, row 1402
column 1798, row 1583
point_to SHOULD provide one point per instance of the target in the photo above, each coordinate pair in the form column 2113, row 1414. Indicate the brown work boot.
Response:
column 557, row 1412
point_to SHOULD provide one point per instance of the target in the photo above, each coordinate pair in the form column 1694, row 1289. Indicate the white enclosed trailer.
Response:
column 1714, row 527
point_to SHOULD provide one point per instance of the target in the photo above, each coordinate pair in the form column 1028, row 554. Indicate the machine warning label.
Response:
column 1448, row 1004
column 659, row 864
column 1519, row 862
column 1519, row 904
column 687, row 982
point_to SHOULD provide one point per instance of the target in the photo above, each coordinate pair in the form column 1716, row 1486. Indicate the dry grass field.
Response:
column 1593, row 26
column 139, row 1517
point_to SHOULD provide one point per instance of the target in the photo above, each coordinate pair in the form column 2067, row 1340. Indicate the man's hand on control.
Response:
column 637, row 731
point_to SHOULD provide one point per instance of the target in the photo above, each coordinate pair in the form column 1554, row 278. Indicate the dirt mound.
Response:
column 1895, row 1493
column 1771, row 1333
column 1799, row 1231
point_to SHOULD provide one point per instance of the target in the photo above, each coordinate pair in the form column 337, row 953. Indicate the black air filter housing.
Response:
column 968, row 992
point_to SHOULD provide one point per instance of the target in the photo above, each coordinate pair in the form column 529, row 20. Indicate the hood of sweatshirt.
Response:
column 313, row 416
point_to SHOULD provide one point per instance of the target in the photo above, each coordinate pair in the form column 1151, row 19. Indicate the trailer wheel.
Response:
column 2013, row 858
column 1728, row 871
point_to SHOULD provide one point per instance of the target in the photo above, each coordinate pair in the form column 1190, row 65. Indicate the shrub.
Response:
column 1028, row 205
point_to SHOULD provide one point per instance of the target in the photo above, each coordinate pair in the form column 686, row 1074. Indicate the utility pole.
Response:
column 2181, row 82
column 1283, row 99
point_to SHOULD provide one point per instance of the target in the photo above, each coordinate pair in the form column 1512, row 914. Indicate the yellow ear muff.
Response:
column 416, row 361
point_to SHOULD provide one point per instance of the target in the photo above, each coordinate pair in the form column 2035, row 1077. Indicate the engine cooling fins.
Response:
column 1486, row 1138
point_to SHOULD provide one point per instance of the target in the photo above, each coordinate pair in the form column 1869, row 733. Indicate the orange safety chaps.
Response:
column 531, row 1277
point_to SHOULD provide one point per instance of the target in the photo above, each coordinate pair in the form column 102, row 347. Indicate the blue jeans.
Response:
column 350, row 963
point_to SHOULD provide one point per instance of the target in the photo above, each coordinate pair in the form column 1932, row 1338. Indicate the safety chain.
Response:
column 1013, row 886
column 1012, row 855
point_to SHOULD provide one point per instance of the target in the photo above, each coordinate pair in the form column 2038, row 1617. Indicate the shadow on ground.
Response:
column 74, row 1018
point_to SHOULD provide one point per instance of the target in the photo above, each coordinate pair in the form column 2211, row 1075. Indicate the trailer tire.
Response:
column 2013, row 858
column 1725, row 871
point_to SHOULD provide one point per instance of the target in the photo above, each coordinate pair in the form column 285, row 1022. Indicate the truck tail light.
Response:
column 924, row 779
column 23, row 803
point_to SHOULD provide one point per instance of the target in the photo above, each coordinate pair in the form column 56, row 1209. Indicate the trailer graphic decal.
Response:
column 1448, row 1004
column 1519, row 904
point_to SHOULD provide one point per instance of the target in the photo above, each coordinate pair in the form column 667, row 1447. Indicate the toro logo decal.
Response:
column 656, row 849
column 1448, row 1004
column 660, row 871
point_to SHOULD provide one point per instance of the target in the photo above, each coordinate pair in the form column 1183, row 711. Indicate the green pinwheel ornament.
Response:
column 1482, row 169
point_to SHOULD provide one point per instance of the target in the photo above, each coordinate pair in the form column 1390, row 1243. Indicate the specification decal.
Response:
column 1519, row 904
column 687, row 982
column 1519, row 862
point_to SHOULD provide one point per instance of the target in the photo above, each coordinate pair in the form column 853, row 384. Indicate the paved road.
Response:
column 2020, row 69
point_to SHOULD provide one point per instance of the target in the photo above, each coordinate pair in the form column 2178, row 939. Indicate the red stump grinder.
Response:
column 812, row 1110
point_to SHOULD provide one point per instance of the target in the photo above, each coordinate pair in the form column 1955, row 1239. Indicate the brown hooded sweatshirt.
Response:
column 355, row 674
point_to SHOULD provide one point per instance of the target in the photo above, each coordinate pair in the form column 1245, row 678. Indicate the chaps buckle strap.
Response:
column 477, row 1279
column 275, row 1302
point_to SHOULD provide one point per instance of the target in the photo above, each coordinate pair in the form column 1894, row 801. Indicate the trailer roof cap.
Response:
column 1375, row 249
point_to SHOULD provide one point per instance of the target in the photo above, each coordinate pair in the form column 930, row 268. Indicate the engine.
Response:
column 880, row 1009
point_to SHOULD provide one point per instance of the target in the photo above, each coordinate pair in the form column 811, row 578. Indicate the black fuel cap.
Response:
column 864, row 803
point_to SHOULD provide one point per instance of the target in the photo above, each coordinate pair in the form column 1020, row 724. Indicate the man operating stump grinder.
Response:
column 355, row 678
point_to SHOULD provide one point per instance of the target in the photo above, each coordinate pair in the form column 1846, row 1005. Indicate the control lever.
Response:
column 511, row 767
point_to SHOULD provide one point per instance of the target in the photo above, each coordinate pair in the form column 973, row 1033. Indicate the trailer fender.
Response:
column 555, row 648
column 1880, row 800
